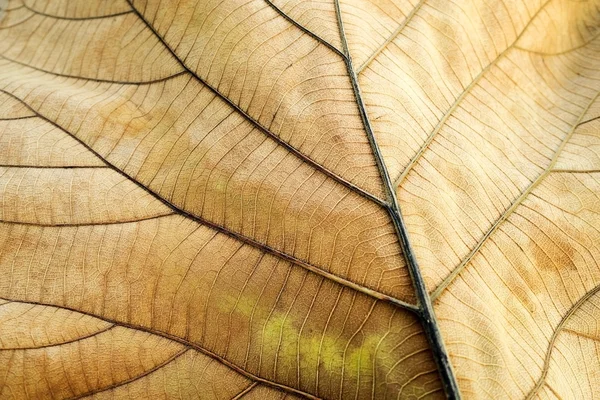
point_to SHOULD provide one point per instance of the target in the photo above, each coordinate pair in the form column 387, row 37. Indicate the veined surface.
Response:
column 279, row 199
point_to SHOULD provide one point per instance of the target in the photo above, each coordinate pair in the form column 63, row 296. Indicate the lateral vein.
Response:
column 446, row 282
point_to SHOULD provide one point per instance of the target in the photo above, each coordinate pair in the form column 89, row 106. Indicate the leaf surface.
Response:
column 280, row 199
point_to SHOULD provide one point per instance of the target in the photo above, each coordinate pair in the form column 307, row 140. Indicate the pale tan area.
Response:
column 194, row 202
column 582, row 151
column 497, row 144
column 547, row 34
column 503, row 210
column 370, row 25
column 572, row 374
column 504, row 307
column 436, row 58
column 573, row 358
column 317, row 16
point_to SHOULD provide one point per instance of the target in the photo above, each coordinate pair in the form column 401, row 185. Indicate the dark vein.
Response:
column 17, row 118
column 67, row 225
column 12, row 9
column 17, row 23
column 555, row 334
column 257, row 124
column 61, row 343
column 576, row 171
column 581, row 334
column 52, row 167
column 177, row 339
column 166, row 78
column 245, row 391
column 75, row 18
column 242, row 238
column 589, row 120
column 426, row 312
column 560, row 53
column 306, row 30
column 135, row 378
column 554, row 392
column 390, row 38
column 515, row 203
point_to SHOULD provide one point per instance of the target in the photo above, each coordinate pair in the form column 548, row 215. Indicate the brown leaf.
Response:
column 202, row 199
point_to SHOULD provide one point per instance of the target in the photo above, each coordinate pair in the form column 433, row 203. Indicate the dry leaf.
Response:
column 281, row 199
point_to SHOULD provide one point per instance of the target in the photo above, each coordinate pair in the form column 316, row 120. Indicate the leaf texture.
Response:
column 80, row 356
column 281, row 199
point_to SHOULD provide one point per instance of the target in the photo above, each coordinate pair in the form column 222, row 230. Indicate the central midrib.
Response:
column 426, row 313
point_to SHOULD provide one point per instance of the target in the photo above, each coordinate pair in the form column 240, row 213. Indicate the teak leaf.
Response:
column 286, row 199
